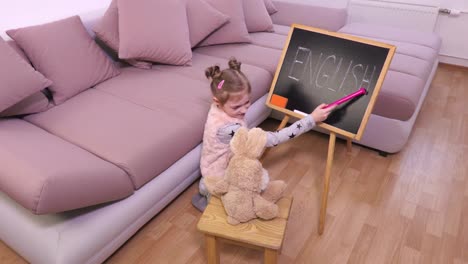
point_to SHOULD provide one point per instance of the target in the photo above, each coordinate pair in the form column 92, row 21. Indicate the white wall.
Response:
column 20, row 13
column 452, row 29
column 454, row 33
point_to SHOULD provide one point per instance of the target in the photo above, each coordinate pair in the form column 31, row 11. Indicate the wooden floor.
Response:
column 411, row 207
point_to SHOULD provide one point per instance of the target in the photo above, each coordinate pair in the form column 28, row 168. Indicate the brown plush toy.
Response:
column 241, row 189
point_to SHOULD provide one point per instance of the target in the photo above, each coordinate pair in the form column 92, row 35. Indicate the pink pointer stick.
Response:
column 348, row 97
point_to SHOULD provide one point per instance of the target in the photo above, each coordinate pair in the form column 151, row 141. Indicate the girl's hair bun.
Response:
column 212, row 72
column 234, row 64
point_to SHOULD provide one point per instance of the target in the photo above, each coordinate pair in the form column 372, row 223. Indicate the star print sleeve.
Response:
column 299, row 127
column 226, row 132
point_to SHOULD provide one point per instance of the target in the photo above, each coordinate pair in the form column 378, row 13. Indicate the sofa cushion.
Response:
column 271, row 8
column 266, row 58
column 73, row 61
column 269, row 40
column 281, row 29
column 18, row 50
column 18, row 78
column 163, row 92
column 144, row 33
column 409, row 49
column 259, row 78
column 107, row 30
column 132, row 135
column 234, row 31
column 416, row 53
column 411, row 65
column 203, row 19
column 35, row 103
column 68, row 177
column 256, row 16
column 399, row 96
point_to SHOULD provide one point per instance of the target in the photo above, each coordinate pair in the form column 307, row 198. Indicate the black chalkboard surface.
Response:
column 318, row 66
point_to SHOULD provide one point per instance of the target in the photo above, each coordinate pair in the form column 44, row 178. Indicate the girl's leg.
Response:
column 200, row 199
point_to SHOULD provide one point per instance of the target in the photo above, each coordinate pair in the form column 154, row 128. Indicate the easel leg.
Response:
column 281, row 126
column 323, row 209
column 283, row 122
column 349, row 145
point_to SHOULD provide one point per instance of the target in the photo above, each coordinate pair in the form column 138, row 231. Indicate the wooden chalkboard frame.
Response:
column 370, row 106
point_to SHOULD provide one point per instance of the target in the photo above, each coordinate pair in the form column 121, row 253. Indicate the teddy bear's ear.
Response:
column 256, row 142
column 239, row 141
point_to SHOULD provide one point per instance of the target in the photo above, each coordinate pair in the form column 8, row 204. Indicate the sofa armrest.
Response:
column 302, row 12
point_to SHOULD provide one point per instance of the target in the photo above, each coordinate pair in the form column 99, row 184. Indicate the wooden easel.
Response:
column 326, row 181
column 291, row 85
column 328, row 168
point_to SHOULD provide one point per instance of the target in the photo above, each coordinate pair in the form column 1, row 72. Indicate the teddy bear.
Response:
column 244, row 192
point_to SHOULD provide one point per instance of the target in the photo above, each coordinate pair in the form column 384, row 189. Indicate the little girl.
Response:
column 231, row 100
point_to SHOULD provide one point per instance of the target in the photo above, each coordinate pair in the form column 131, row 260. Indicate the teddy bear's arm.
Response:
column 265, row 209
column 274, row 191
column 221, row 187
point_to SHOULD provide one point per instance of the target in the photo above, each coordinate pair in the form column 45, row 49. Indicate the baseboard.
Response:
column 453, row 61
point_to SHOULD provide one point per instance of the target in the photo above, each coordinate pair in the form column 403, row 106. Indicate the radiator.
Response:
column 410, row 16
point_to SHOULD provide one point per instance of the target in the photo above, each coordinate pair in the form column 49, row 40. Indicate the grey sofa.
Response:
column 92, row 234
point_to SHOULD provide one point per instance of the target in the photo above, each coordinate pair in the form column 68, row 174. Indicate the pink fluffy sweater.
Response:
column 215, row 154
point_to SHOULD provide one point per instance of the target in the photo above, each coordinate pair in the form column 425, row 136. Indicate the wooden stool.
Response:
column 257, row 234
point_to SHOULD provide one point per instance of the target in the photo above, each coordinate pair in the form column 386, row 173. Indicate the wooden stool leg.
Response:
column 212, row 249
column 270, row 256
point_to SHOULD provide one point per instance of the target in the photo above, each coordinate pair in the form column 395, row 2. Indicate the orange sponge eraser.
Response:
column 279, row 100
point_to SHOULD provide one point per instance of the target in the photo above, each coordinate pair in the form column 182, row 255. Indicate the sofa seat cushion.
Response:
column 411, row 65
column 266, row 58
column 281, row 29
column 416, row 53
column 269, row 40
column 399, row 96
column 168, row 93
column 410, row 49
column 67, row 177
column 260, row 79
column 127, row 128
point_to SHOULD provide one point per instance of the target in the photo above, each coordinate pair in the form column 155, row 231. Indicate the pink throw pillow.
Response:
column 234, row 31
column 154, row 30
column 66, row 54
column 270, row 7
column 18, row 79
column 203, row 19
column 256, row 16
column 107, row 30
column 18, row 50
column 35, row 103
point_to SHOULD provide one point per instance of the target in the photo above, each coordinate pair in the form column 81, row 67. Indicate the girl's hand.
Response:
column 320, row 113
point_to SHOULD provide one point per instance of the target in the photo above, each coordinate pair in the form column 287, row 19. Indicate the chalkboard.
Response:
column 319, row 66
